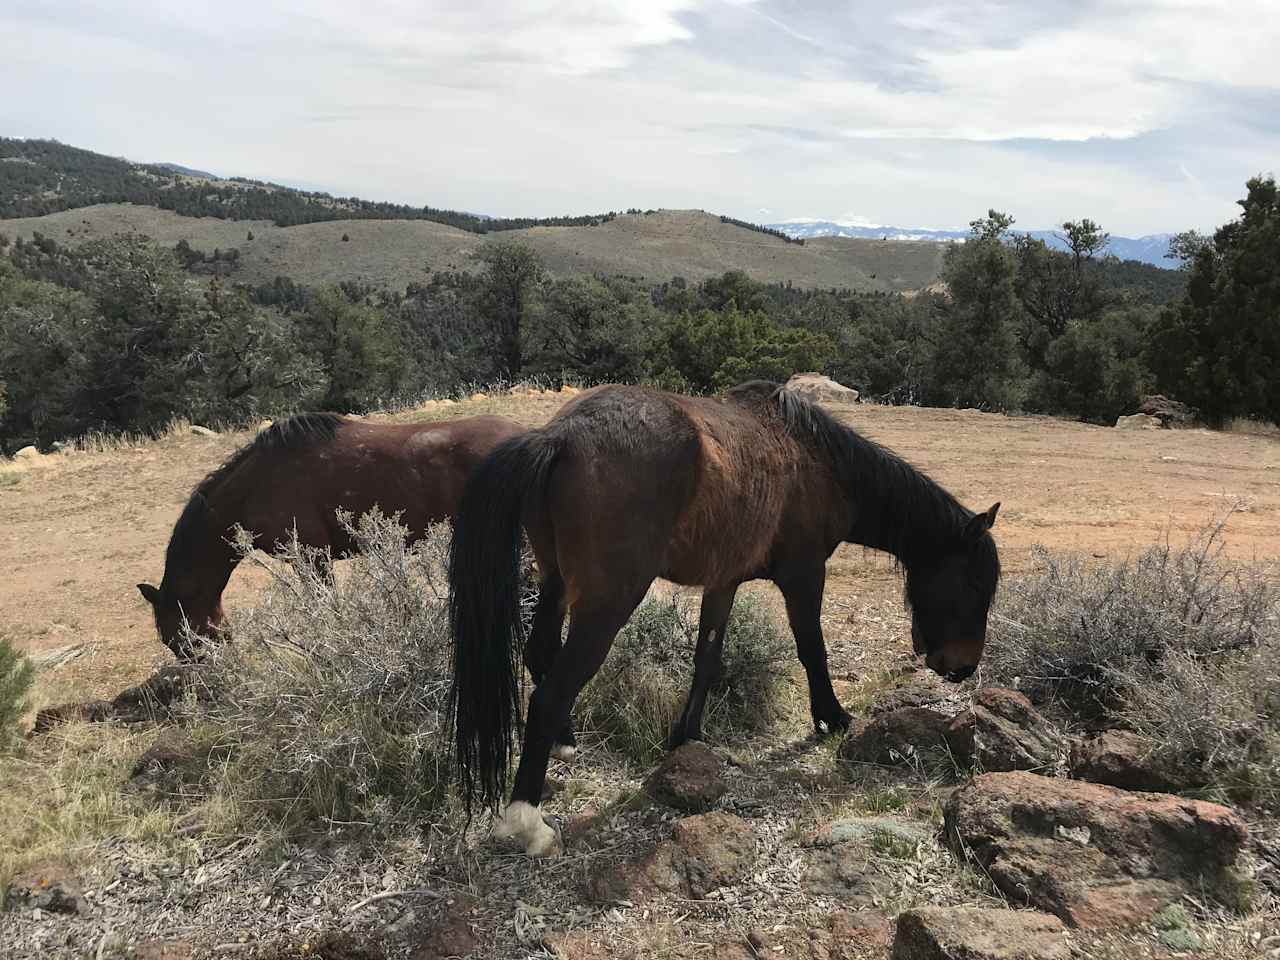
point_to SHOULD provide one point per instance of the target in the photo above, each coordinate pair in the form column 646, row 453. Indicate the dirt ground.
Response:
column 79, row 530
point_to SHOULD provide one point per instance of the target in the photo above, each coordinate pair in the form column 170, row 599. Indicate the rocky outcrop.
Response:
column 816, row 386
column 1170, row 413
column 1093, row 855
column 1003, row 732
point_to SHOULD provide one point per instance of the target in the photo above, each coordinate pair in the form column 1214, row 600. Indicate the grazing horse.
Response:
column 627, row 484
column 296, row 474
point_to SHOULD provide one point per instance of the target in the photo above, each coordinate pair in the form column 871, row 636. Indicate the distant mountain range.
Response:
column 1152, row 249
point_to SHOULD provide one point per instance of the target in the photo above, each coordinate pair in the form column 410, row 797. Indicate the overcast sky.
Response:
column 1146, row 116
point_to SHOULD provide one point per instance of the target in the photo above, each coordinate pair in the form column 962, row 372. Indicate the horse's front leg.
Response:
column 803, row 595
column 708, row 662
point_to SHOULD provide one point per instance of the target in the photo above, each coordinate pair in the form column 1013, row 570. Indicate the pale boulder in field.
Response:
column 816, row 386
column 1139, row 421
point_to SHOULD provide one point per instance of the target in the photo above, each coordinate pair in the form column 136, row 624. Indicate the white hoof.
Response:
column 524, row 823
column 562, row 752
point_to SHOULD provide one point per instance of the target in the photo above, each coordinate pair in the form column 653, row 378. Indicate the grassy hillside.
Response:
column 393, row 253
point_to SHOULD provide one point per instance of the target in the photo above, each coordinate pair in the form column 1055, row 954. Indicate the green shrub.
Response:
column 16, row 677
column 638, row 694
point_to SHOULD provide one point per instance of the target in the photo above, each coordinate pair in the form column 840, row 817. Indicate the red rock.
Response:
column 690, row 778
column 704, row 853
column 979, row 933
column 1094, row 855
column 1120, row 759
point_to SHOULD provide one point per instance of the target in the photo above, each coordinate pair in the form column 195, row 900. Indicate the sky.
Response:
column 1145, row 116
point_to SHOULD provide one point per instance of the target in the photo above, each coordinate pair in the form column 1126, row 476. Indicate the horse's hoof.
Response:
column 523, row 822
column 837, row 724
column 564, row 752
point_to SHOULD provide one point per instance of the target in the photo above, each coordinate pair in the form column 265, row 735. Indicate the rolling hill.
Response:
column 393, row 253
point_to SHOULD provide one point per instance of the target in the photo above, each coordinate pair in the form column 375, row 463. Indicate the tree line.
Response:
column 117, row 334
column 39, row 177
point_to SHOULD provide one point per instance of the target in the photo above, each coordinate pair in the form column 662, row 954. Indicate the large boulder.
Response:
column 816, row 386
column 1139, row 421
column 1095, row 856
column 690, row 778
column 979, row 933
column 1119, row 758
column 1003, row 732
column 1170, row 413
column 705, row 853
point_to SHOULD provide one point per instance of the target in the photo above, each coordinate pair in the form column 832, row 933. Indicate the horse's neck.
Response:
column 897, row 509
column 209, row 562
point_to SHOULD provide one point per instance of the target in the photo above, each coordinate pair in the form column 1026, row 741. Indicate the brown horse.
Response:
column 297, row 473
column 627, row 484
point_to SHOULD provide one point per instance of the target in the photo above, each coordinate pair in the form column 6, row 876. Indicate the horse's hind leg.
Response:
column 803, row 595
column 592, row 627
column 708, row 662
column 544, row 645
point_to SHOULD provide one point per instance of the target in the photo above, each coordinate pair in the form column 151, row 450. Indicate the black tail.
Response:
column 484, row 609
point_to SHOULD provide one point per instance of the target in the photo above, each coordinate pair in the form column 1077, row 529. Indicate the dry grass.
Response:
column 635, row 699
column 1253, row 428
column 62, row 796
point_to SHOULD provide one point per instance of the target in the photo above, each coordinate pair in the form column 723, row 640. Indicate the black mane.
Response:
column 911, row 516
column 292, row 433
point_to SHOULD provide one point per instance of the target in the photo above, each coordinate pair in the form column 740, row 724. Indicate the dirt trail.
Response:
column 78, row 531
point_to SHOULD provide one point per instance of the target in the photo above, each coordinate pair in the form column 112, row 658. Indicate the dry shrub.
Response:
column 328, row 702
column 1179, row 644
column 638, row 694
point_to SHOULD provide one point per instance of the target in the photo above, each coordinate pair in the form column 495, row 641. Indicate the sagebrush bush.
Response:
column 637, row 696
column 16, row 677
column 327, row 704
column 1179, row 644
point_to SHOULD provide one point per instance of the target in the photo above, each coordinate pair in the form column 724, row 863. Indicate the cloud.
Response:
column 923, row 112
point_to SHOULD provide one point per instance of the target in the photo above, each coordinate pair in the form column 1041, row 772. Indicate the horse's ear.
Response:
column 149, row 593
column 981, row 523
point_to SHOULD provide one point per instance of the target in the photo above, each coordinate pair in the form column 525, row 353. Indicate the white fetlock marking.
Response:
column 523, row 822
column 544, row 842
column 563, row 752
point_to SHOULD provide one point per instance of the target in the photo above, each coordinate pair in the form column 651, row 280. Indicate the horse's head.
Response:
column 950, row 595
column 173, row 610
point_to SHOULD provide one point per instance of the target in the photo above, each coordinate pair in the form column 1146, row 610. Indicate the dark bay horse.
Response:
column 299, row 471
column 627, row 484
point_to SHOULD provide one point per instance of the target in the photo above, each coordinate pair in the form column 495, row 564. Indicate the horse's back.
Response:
column 692, row 487
column 418, row 470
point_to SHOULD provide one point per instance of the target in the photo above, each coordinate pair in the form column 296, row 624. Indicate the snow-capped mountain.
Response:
column 1151, row 249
